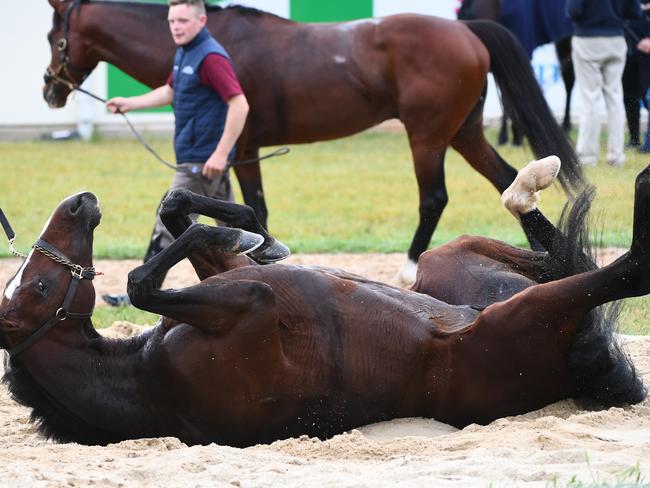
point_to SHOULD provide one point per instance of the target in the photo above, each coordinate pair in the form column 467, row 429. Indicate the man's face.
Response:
column 184, row 23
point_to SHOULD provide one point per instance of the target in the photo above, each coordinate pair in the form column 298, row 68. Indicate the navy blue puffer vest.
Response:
column 200, row 112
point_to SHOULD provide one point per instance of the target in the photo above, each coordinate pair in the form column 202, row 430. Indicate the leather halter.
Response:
column 78, row 273
column 64, row 74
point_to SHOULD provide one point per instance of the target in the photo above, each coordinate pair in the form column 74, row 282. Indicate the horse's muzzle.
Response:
column 54, row 93
column 53, row 96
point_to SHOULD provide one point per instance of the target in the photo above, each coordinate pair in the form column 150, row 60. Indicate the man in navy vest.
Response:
column 210, row 111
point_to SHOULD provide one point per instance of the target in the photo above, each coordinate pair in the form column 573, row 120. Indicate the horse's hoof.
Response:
column 248, row 242
column 272, row 253
column 405, row 278
column 522, row 195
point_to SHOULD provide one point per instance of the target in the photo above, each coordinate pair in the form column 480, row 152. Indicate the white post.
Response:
column 86, row 109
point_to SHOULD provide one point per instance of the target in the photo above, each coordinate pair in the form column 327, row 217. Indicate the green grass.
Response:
column 350, row 195
column 629, row 477
column 105, row 316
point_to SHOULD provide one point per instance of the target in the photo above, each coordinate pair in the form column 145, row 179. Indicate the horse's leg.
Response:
column 521, row 200
column 429, row 172
column 179, row 204
column 517, row 136
column 503, row 131
column 567, row 300
column 250, row 181
column 470, row 142
column 188, row 305
column 483, row 271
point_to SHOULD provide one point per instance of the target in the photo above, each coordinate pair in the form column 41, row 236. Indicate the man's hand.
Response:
column 119, row 103
column 163, row 95
column 644, row 45
column 214, row 166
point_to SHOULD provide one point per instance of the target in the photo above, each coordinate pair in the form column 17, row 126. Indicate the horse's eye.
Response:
column 41, row 285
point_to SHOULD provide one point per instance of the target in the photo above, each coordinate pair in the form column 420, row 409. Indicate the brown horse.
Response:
column 258, row 353
column 313, row 82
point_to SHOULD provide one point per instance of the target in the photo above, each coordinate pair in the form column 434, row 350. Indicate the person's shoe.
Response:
column 117, row 300
column 643, row 149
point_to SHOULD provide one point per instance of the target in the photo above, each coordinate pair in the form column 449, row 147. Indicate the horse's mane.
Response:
column 603, row 371
column 240, row 9
column 53, row 420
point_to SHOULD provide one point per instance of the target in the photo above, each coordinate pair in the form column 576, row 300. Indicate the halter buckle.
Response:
column 61, row 314
column 77, row 271
column 62, row 44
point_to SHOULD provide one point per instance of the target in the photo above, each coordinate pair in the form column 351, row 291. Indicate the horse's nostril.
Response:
column 76, row 204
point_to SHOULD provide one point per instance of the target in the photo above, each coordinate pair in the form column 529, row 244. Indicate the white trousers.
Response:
column 598, row 63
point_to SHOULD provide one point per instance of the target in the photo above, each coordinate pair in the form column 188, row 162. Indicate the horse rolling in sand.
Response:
column 256, row 353
column 315, row 82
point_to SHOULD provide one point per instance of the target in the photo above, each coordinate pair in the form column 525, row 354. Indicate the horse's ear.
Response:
column 59, row 5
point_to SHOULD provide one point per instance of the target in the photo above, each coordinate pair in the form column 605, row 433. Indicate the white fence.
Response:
column 26, row 53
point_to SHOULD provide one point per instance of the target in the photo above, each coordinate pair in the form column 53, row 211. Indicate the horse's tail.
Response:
column 603, row 371
column 524, row 101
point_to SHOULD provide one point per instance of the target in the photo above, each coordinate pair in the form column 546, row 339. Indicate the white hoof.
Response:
column 406, row 276
column 522, row 195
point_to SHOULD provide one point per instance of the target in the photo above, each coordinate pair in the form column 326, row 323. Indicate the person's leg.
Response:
column 631, row 98
column 644, row 85
column 589, row 80
column 613, row 93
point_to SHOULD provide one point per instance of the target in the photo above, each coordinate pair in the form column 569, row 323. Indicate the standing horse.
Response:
column 257, row 353
column 545, row 22
column 313, row 82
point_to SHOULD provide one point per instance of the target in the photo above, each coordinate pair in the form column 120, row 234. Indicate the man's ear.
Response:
column 59, row 5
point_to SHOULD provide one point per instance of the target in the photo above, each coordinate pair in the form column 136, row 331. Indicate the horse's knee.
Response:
column 247, row 218
column 139, row 286
column 435, row 203
column 175, row 202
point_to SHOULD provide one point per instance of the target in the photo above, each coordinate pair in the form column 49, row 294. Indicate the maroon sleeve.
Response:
column 217, row 73
column 170, row 79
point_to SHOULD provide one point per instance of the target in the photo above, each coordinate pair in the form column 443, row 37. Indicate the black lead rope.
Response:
column 11, row 235
column 278, row 152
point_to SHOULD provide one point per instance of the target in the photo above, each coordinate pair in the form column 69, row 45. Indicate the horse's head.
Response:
column 36, row 296
column 70, row 63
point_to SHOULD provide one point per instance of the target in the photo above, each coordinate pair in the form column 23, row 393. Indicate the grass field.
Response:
column 351, row 195
column 354, row 195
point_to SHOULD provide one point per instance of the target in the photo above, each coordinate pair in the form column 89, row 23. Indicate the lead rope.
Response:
column 74, row 87
column 11, row 235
